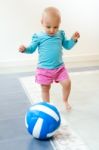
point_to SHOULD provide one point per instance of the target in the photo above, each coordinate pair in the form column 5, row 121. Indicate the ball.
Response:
column 42, row 120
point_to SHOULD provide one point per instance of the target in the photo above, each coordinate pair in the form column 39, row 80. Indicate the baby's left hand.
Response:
column 75, row 36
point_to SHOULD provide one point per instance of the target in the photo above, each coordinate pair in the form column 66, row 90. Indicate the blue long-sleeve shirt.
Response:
column 49, row 48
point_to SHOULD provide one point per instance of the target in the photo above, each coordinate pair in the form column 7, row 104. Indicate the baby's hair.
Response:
column 53, row 12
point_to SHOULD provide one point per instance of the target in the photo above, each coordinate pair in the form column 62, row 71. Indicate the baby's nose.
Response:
column 52, row 30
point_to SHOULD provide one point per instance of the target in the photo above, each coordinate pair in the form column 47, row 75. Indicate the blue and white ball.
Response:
column 42, row 120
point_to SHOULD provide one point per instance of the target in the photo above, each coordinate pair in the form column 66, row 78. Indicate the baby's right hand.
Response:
column 22, row 48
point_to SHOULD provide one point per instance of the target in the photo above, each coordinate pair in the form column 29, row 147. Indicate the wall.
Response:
column 20, row 18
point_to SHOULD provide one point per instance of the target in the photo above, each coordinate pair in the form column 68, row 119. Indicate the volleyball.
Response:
column 42, row 120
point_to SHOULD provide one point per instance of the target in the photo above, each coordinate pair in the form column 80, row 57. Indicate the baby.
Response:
column 50, row 44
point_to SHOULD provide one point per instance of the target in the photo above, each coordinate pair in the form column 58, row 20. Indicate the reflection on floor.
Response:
column 81, row 125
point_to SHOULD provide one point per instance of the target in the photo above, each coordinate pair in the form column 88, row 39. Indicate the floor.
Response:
column 81, row 124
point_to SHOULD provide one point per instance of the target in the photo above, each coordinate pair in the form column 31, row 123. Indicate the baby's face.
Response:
column 51, row 25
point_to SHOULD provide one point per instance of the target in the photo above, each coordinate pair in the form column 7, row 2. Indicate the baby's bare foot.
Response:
column 68, row 107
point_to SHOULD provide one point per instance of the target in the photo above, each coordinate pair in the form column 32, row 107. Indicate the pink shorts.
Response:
column 47, row 76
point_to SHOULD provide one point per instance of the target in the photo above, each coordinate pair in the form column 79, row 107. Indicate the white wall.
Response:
column 20, row 18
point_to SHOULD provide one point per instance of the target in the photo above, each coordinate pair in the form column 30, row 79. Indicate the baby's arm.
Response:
column 32, row 47
column 68, row 44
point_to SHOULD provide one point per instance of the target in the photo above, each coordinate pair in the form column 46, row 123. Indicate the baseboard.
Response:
column 82, row 60
column 71, row 61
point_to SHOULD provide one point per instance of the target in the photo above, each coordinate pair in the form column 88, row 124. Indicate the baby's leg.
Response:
column 66, row 87
column 45, row 91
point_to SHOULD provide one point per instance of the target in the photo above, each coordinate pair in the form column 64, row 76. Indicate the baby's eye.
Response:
column 48, row 27
column 56, row 27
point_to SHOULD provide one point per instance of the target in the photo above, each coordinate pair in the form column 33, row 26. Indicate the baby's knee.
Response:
column 66, row 84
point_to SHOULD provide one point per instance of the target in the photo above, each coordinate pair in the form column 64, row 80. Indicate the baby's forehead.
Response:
column 51, row 23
